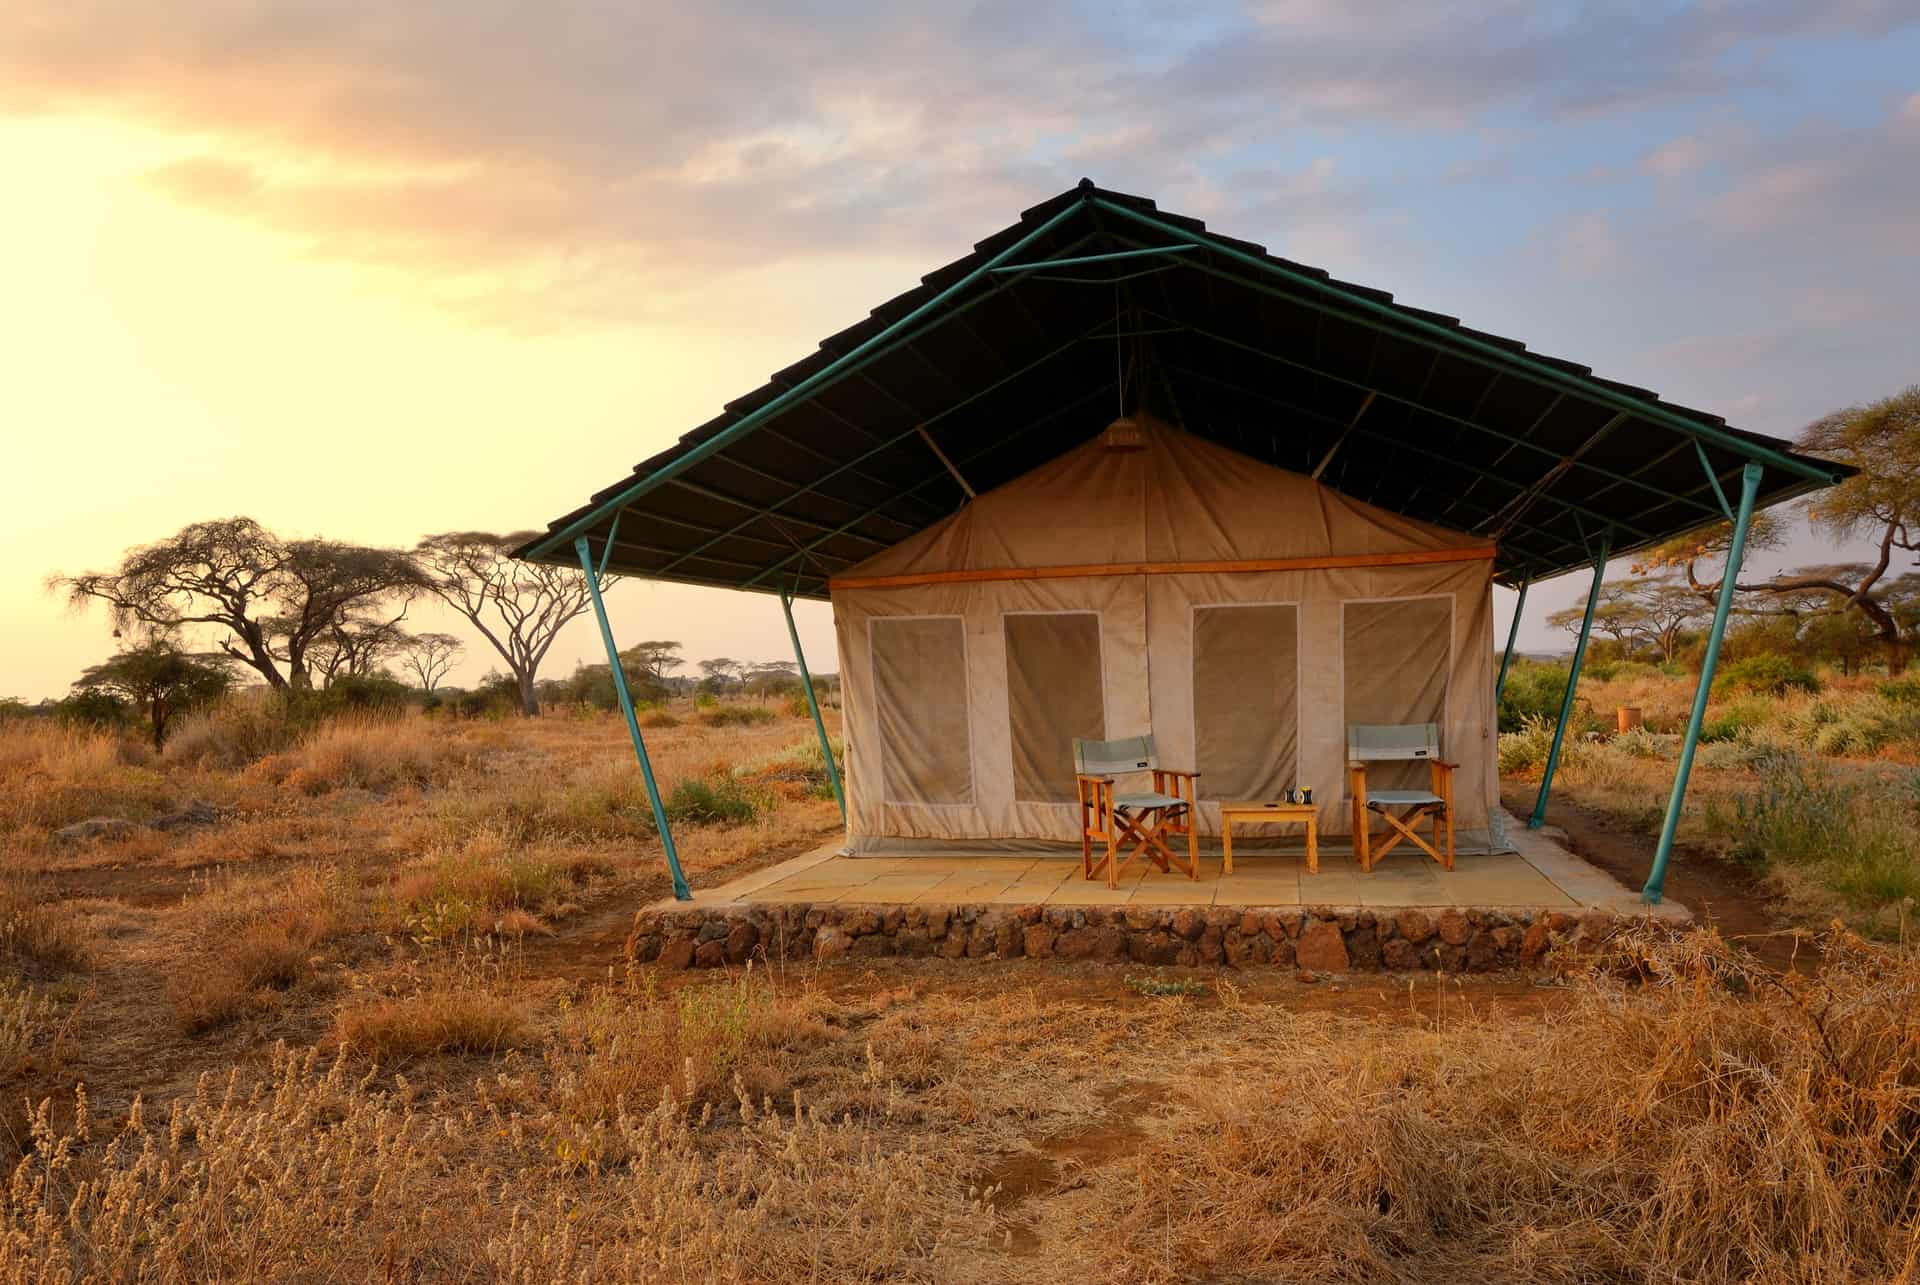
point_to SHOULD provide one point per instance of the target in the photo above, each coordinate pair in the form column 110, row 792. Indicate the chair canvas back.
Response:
column 1376, row 744
column 1114, row 758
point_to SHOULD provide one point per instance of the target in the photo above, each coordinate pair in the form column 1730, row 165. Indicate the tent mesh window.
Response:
column 1396, row 655
column 920, row 699
column 1054, row 693
column 1246, row 709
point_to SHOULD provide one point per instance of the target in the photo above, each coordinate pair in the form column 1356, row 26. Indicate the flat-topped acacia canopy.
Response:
column 1015, row 353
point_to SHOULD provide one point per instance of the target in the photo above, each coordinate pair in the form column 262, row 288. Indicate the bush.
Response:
column 1533, row 690
column 720, row 800
column 235, row 732
column 367, row 694
column 1526, row 749
column 1901, row 691
column 93, row 708
column 1843, row 833
column 1767, row 674
column 1640, row 743
column 736, row 716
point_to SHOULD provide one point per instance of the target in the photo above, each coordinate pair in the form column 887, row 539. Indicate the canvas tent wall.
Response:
column 1242, row 613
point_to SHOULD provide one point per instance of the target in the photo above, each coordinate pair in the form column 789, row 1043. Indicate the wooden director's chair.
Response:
column 1392, row 745
column 1147, row 817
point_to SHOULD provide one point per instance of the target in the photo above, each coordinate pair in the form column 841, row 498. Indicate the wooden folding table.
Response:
column 1291, row 813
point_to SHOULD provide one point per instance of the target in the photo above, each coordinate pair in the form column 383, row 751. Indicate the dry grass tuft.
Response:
column 39, row 935
column 628, row 1045
column 1711, row 1122
column 445, row 1019
column 256, row 936
column 374, row 754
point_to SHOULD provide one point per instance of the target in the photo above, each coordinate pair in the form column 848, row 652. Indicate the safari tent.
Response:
column 1115, row 473
column 1149, row 580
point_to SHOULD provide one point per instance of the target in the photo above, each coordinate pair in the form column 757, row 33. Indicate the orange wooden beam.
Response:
column 1325, row 562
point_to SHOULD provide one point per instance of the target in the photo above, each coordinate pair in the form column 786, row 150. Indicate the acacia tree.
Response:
column 519, row 607
column 355, row 644
column 429, row 656
column 160, row 680
column 721, row 671
column 268, row 598
column 657, row 659
column 1880, row 502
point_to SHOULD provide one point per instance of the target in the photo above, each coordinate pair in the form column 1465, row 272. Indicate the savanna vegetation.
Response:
column 322, row 978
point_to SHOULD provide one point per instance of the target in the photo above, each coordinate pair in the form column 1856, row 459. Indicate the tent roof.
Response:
column 1008, row 357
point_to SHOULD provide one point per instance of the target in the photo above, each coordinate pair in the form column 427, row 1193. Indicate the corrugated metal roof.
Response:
column 1004, row 369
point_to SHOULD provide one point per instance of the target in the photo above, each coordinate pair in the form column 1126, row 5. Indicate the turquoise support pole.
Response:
column 1736, row 550
column 680, row 889
column 813, row 704
column 1539, row 817
column 1513, row 632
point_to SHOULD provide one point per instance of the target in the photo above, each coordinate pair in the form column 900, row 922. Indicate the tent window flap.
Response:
column 920, row 698
column 1396, row 655
column 1055, row 693
column 1246, row 710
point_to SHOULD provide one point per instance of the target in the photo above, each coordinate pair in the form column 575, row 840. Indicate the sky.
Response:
column 376, row 271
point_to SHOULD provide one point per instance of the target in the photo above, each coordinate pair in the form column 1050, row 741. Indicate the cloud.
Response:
column 583, row 141
column 1590, row 246
column 1674, row 158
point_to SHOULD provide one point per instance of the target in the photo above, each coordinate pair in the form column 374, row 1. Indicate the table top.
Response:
column 1274, row 808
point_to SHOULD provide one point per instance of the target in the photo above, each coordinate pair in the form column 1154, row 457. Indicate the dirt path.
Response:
column 1725, row 895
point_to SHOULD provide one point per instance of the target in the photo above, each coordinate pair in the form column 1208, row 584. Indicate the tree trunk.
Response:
column 1896, row 657
column 529, row 703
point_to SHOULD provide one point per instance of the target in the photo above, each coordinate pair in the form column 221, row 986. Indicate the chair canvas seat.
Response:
column 1148, row 799
column 1401, row 798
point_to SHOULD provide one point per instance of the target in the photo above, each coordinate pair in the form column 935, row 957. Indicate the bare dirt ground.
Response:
column 1733, row 899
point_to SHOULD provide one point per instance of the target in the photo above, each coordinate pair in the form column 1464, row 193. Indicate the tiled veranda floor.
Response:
column 1541, row 874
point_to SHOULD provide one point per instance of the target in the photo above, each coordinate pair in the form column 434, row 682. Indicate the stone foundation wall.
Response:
column 1318, row 938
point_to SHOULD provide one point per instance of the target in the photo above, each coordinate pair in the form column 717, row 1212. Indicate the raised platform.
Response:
column 1488, row 912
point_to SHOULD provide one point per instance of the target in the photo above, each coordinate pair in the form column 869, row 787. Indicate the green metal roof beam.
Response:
column 721, row 497
column 1077, row 261
column 1546, row 451
column 1344, row 427
column 777, row 567
column 889, row 443
column 734, row 461
column 1489, row 355
column 868, row 350
column 1394, row 397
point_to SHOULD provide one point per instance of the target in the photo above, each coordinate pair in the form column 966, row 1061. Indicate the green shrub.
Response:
column 719, row 800
column 1901, row 691
column 1527, row 749
column 1846, row 834
column 736, row 716
column 1533, row 690
column 1640, row 743
column 1767, row 674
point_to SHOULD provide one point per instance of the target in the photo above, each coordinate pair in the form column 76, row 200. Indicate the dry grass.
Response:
column 443, row 1020
column 374, row 754
column 1675, row 1115
column 39, row 935
column 1681, row 1117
